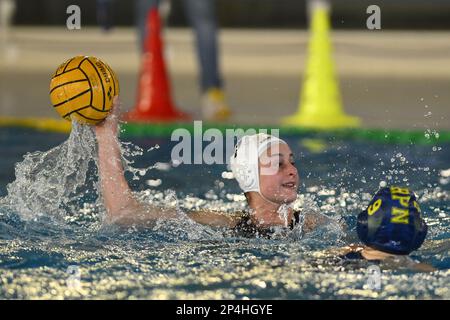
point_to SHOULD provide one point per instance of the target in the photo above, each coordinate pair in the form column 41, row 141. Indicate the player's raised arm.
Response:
column 121, row 206
column 117, row 195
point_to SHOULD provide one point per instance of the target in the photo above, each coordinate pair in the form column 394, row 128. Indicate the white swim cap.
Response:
column 244, row 162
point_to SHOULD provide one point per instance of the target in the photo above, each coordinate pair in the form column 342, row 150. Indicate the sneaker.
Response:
column 214, row 106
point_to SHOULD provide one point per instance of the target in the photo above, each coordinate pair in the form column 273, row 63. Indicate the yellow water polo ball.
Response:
column 83, row 88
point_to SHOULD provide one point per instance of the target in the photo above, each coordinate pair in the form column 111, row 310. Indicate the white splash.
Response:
column 48, row 183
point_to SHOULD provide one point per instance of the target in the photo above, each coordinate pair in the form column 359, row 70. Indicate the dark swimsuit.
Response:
column 247, row 229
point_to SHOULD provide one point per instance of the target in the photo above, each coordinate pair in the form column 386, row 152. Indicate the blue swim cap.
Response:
column 392, row 222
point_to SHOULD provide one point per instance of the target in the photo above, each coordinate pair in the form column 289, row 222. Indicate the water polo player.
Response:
column 262, row 164
column 390, row 228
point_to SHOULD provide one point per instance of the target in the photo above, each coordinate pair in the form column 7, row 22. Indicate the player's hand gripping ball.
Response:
column 83, row 89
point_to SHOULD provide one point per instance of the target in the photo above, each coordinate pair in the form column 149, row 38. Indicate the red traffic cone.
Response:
column 154, row 101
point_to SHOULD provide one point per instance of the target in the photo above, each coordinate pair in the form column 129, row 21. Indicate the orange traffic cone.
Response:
column 154, row 102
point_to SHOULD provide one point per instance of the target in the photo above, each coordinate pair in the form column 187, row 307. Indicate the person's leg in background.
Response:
column 202, row 17
column 105, row 14
column 7, row 8
column 142, row 10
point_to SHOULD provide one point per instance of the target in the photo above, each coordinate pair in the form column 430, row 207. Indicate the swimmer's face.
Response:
column 278, row 176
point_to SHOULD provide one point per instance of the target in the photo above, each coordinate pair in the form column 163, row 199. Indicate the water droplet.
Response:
column 445, row 173
column 227, row 175
column 162, row 166
column 176, row 163
column 153, row 183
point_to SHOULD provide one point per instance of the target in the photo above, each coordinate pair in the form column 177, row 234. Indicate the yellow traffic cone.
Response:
column 320, row 104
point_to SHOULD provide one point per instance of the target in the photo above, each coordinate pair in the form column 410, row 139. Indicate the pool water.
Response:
column 54, row 245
